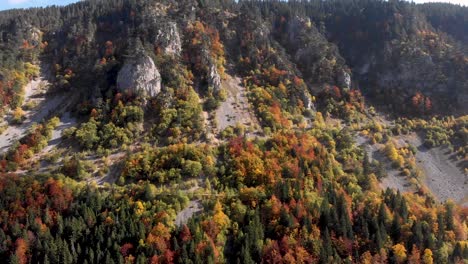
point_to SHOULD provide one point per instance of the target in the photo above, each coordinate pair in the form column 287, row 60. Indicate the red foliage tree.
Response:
column 125, row 249
column 271, row 253
column 21, row 250
column 185, row 234
column 61, row 197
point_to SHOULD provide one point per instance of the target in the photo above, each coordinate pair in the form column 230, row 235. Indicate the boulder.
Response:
column 139, row 76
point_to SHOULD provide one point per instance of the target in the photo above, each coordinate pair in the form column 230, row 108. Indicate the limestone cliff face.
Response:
column 168, row 39
column 140, row 76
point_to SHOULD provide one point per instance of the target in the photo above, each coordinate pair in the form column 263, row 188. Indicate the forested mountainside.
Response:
column 220, row 131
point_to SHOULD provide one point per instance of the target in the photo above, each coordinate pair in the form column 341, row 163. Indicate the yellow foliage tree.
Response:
column 391, row 151
column 18, row 114
column 159, row 237
column 319, row 121
column 366, row 258
column 400, row 252
column 219, row 217
column 427, row 257
column 30, row 69
column 139, row 208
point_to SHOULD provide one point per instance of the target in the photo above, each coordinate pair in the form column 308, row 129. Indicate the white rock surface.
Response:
column 214, row 80
column 140, row 76
column 345, row 79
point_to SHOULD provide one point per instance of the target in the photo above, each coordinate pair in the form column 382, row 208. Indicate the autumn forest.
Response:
column 221, row 131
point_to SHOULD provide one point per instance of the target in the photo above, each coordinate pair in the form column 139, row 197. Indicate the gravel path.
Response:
column 183, row 216
column 394, row 179
column 235, row 109
column 15, row 132
column 66, row 121
column 442, row 176
column 44, row 108
column 117, row 163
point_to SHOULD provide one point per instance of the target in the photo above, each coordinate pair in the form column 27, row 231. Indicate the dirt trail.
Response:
column 66, row 121
column 442, row 176
column 34, row 92
column 183, row 216
column 15, row 132
column 117, row 163
column 235, row 109
column 394, row 179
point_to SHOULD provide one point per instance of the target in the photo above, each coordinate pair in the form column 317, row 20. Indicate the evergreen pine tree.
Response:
column 417, row 236
column 449, row 216
column 245, row 256
column 404, row 210
column 383, row 216
column 45, row 260
column 141, row 259
column 441, row 227
column 457, row 253
column 14, row 259
column 67, row 257
column 396, row 228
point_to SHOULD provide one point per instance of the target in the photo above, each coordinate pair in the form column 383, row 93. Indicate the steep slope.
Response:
column 396, row 53
column 219, row 131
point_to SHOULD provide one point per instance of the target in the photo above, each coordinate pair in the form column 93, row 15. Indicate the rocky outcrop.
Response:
column 344, row 79
column 35, row 36
column 317, row 58
column 168, row 39
column 139, row 76
column 405, row 68
column 214, row 80
column 307, row 100
column 212, row 76
column 32, row 34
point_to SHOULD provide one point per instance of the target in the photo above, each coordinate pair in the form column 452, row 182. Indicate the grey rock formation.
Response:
column 168, row 38
column 140, row 76
column 33, row 35
column 307, row 100
column 345, row 80
column 214, row 80
column 317, row 58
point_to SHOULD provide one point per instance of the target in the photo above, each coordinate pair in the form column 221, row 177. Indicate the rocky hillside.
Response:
column 395, row 51
column 221, row 131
